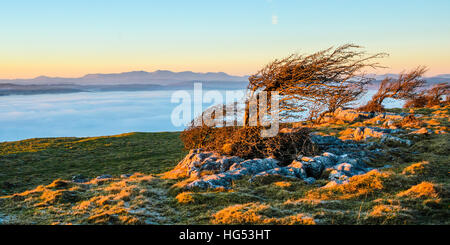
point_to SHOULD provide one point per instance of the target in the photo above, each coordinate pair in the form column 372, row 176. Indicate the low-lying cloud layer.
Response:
column 90, row 114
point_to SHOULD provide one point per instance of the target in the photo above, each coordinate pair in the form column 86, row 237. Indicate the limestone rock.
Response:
column 362, row 133
column 341, row 160
column 104, row 176
column 79, row 178
column 310, row 180
column 392, row 117
column 394, row 139
column 351, row 115
column 197, row 161
column 236, row 171
column 285, row 172
column 422, row 131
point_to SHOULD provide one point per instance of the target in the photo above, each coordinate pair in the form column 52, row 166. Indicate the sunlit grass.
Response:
column 26, row 164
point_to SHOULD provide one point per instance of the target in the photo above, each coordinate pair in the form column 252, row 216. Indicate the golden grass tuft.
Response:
column 185, row 198
column 357, row 186
column 110, row 215
column 240, row 214
column 141, row 178
column 383, row 210
column 112, row 203
column 51, row 197
column 433, row 122
column 252, row 213
column 104, row 137
column 84, row 205
column 358, row 124
column 282, row 184
column 47, row 195
column 416, row 168
column 297, row 219
column 389, row 214
column 183, row 183
column 346, row 134
column 422, row 190
column 58, row 183
column 176, row 173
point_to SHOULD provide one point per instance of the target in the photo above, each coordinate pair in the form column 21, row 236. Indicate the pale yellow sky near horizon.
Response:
column 31, row 68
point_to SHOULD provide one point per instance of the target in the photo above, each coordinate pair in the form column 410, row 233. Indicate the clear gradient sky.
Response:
column 73, row 38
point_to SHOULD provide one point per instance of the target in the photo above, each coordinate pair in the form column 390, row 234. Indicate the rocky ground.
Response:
column 373, row 168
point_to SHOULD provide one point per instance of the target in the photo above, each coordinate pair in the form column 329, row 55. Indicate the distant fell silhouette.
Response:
column 159, row 77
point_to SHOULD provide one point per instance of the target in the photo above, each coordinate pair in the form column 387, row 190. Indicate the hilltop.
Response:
column 142, row 178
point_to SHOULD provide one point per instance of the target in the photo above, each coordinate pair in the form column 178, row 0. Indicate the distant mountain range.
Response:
column 127, row 81
column 142, row 80
column 159, row 77
column 431, row 80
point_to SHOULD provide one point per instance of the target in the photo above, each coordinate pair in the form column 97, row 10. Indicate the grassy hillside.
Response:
column 28, row 163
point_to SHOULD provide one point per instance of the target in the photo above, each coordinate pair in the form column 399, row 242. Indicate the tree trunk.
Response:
column 247, row 110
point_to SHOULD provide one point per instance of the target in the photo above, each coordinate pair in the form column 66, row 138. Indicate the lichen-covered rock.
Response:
column 393, row 117
column 105, row 176
column 440, row 132
column 314, row 166
column 327, row 160
column 394, row 139
column 310, row 180
column 364, row 133
column 236, row 171
column 313, row 169
column 197, row 161
column 285, row 172
column 79, row 178
column 254, row 166
column 341, row 166
column 388, row 124
column 325, row 141
column 211, row 181
column 422, row 131
column 350, row 115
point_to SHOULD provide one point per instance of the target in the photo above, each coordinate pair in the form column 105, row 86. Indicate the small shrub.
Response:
column 247, row 143
column 417, row 102
column 372, row 106
column 431, row 97
column 404, row 87
column 410, row 121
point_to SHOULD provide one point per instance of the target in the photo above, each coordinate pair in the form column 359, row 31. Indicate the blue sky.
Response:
column 72, row 38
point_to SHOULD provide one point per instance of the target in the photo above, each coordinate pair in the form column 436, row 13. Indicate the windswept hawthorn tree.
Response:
column 314, row 84
column 430, row 97
column 406, row 86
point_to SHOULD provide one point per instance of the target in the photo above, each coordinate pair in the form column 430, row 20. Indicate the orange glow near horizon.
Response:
column 28, row 70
